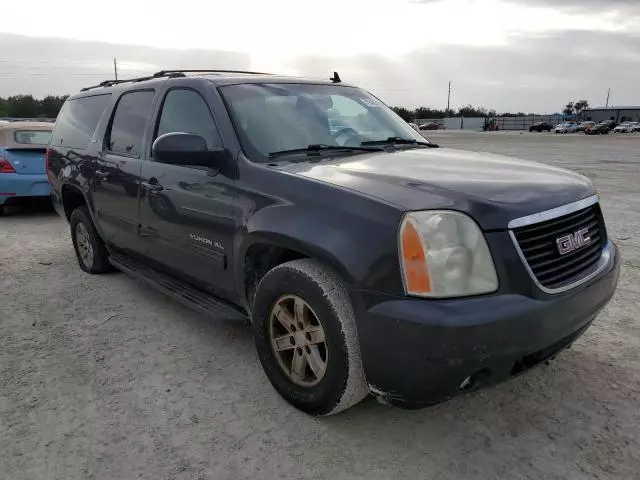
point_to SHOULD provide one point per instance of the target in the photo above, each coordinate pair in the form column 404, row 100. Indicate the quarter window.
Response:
column 77, row 121
column 186, row 111
column 129, row 121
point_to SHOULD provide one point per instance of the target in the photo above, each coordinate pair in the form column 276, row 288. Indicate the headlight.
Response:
column 444, row 254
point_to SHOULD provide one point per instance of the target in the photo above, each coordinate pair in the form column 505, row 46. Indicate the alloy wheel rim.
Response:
column 298, row 341
column 85, row 248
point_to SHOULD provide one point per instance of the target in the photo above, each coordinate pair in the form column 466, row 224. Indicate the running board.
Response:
column 186, row 294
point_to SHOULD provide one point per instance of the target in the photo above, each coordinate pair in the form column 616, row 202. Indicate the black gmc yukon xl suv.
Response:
column 367, row 260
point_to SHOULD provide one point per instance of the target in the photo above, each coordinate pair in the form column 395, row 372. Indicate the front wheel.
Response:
column 306, row 338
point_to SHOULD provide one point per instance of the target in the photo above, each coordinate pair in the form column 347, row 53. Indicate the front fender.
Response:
column 360, row 248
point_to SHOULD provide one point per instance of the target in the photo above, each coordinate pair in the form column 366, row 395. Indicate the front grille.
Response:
column 539, row 246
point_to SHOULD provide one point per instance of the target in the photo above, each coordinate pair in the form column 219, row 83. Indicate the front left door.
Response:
column 187, row 213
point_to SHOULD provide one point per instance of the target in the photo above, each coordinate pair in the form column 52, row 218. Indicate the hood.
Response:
column 493, row 189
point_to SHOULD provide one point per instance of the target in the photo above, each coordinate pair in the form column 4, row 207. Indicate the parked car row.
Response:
column 588, row 127
column 627, row 127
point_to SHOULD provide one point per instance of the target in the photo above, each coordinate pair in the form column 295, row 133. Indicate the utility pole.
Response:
column 608, row 93
column 115, row 68
column 449, row 98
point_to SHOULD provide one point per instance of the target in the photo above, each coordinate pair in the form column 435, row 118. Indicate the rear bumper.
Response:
column 419, row 352
column 15, row 185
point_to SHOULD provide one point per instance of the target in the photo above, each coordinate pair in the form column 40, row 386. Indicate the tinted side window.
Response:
column 128, row 123
column 77, row 121
column 186, row 111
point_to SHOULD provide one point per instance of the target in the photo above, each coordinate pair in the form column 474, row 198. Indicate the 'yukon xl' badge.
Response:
column 573, row 241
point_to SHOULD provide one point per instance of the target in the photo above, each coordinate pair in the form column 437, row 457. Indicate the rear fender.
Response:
column 76, row 189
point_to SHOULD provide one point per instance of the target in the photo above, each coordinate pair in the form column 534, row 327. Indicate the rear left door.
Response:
column 117, row 174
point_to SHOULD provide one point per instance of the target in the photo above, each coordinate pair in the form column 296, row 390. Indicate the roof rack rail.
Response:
column 167, row 74
column 164, row 73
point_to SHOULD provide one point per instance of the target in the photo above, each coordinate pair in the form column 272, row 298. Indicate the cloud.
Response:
column 531, row 73
column 534, row 73
column 43, row 66
column 580, row 3
column 624, row 6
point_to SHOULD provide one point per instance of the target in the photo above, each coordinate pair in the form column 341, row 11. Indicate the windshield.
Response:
column 273, row 118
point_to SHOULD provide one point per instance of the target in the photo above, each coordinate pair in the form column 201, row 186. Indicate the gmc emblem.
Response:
column 573, row 241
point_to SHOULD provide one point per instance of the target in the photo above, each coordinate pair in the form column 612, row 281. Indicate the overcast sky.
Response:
column 502, row 54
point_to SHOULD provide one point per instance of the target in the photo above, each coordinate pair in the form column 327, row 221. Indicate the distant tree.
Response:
column 425, row 112
column 568, row 109
column 471, row 111
column 51, row 105
column 25, row 106
column 580, row 105
column 465, row 111
column 406, row 114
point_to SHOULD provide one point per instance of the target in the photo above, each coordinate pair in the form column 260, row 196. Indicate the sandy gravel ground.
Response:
column 102, row 378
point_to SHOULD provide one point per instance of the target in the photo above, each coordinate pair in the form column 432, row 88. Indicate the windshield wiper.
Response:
column 400, row 141
column 319, row 148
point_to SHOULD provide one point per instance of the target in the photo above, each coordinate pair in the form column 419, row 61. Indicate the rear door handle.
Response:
column 151, row 187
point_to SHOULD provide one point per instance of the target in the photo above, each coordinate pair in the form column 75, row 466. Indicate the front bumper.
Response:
column 15, row 185
column 420, row 352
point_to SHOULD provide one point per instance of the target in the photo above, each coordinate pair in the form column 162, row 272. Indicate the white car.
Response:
column 566, row 128
column 626, row 127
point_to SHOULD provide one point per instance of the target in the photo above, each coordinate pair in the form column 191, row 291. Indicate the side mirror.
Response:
column 179, row 148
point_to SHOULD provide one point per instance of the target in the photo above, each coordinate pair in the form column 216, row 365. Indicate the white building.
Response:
column 619, row 114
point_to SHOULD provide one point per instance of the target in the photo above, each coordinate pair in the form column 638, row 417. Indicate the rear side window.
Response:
column 186, row 111
column 128, row 123
column 78, row 120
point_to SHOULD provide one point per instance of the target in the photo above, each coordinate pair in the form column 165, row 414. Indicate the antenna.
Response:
column 335, row 78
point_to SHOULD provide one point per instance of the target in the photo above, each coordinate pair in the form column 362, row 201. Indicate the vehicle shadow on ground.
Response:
column 567, row 409
column 565, row 416
column 42, row 208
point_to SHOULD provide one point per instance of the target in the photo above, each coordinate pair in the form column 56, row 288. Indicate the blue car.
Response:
column 22, row 164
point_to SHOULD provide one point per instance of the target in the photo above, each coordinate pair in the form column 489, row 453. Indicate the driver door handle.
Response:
column 152, row 186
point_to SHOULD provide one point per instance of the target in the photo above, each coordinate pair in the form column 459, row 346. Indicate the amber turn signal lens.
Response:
column 414, row 263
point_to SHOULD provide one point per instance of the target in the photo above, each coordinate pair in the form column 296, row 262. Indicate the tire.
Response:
column 343, row 382
column 85, row 237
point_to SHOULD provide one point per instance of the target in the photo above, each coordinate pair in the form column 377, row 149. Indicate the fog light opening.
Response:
column 475, row 380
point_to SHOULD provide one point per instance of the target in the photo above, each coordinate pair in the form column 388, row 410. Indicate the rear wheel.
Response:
column 306, row 338
column 90, row 250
